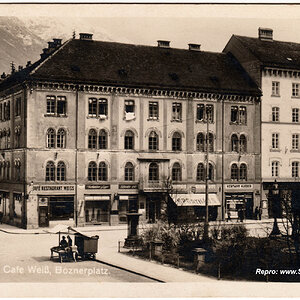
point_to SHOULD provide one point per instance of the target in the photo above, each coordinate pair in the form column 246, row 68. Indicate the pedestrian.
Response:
column 228, row 216
column 63, row 243
column 256, row 213
column 69, row 241
column 260, row 212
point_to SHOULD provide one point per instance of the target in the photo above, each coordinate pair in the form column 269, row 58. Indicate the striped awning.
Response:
column 195, row 199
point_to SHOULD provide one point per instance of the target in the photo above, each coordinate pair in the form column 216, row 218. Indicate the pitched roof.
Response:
column 273, row 53
column 109, row 63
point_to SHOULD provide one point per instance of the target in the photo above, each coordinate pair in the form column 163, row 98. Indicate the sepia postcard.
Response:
column 149, row 150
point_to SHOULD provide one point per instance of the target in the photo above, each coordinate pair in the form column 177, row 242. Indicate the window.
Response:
column 61, row 105
column 211, row 172
column 93, row 107
column 205, row 112
column 176, row 111
column 210, row 113
column 102, row 174
column 153, row 110
column 243, row 115
column 129, row 140
column 295, row 141
column 102, row 108
column 176, row 141
column 92, row 171
column 61, row 138
column 275, row 141
column 18, row 107
column 234, row 114
column 234, row 143
column 56, row 106
column 200, row 172
column 129, row 106
column 61, row 171
column 275, row 168
column 210, row 142
column 200, row 112
column 92, row 139
column 102, row 139
column 51, row 138
column 17, row 136
column 275, row 88
column 51, row 104
column 295, row 90
column 176, row 172
column 50, row 171
column 153, row 141
column 129, row 172
column 275, row 114
column 153, row 172
column 295, row 115
column 243, row 144
column 239, row 115
column 200, row 142
column 243, row 172
column 295, row 169
column 234, row 172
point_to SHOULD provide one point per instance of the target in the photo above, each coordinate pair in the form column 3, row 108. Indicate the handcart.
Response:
column 87, row 245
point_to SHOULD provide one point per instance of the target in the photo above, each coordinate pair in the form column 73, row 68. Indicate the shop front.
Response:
column 192, row 207
column 97, row 209
column 127, row 203
column 4, row 205
column 55, row 203
column 240, row 201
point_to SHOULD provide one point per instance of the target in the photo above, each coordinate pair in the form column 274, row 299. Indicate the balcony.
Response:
column 152, row 186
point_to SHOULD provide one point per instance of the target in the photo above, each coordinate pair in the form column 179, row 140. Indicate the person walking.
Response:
column 256, row 213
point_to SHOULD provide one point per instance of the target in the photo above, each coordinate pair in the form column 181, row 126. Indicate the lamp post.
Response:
column 274, row 197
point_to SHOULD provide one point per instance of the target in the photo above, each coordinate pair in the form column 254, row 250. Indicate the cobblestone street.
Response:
column 26, row 258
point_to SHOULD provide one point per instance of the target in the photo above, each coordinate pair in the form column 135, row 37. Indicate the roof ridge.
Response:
column 256, row 38
column 49, row 57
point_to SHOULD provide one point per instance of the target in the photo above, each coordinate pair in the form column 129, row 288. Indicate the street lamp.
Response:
column 274, row 197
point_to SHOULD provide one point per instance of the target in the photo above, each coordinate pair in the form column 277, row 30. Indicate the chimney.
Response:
column 86, row 36
column 51, row 45
column 57, row 42
column 265, row 34
column 163, row 44
column 28, row 64
column 194, row 47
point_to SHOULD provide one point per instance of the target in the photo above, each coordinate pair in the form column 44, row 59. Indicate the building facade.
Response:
column 96, row 129
column 275, row 66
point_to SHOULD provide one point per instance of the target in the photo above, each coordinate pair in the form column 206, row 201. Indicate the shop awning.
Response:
column 195, row 199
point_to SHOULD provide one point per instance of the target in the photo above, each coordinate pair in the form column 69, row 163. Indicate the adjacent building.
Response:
column 275, row 67
column 96, row 129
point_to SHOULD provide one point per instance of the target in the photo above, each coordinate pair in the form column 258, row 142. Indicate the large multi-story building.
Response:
column 95, row 129
column 275, row 67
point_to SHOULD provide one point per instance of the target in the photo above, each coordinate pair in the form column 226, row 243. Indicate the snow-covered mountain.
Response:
column 23, row 39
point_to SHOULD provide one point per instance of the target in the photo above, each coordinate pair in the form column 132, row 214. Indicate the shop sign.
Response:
column 43, row 201
column 53, row 188
column 97, row 186
column 128, row 186
column 239, row 186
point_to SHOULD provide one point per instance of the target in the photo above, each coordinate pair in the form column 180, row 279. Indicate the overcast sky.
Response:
column 209, row 25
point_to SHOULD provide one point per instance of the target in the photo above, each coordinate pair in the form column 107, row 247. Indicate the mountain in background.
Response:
column 23, row 39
